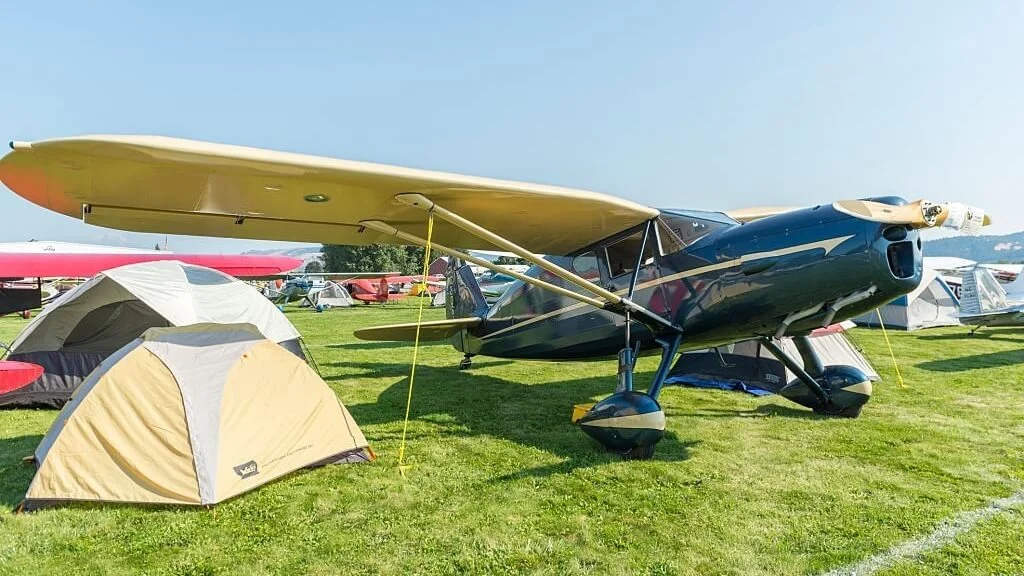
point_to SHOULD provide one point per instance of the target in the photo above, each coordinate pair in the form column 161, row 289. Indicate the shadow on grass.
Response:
column 376, row 345
column 765, row 411
column 15, row 475
column 1002, row 335
column 531, row 415
column 974, row 361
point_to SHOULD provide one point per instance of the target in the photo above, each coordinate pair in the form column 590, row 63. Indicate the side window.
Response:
column 585, row 265
column 622, row 254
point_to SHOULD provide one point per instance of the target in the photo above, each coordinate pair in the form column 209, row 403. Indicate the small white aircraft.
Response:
column 986, row 303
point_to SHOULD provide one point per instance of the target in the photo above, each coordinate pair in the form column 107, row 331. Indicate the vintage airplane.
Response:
column 626, row 278
column 391, row 288
column 289, row 288
column 984, row 302
column 494, row 284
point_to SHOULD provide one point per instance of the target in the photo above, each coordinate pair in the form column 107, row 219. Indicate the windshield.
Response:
column 690, row 226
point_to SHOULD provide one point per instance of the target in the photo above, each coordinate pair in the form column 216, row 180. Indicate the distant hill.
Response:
column 1006, row 248
column 306, row 253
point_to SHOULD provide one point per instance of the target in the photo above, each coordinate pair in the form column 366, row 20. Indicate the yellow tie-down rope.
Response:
column 416, row 345
column 899, row 377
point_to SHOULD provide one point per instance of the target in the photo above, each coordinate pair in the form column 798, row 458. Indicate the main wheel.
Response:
column 847, row 412
column 628, row 423
column 848, row 388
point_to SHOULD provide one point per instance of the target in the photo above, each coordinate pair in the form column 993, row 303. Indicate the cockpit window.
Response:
column 689, row 227
column 585, row 265
column 622, row 254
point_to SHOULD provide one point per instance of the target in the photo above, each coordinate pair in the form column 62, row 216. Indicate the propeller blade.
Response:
column 919, row 214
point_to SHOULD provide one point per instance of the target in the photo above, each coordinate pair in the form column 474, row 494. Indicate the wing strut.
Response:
column 427, row 205
column 615, row 302
column 388, row 229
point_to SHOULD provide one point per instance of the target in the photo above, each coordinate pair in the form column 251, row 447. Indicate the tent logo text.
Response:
column 247, row 469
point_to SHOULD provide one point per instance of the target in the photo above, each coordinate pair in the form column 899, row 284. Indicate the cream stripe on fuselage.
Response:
column 827, row 245
column 651, row 420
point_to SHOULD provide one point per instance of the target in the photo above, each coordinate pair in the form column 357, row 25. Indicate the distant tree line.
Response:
column 406, row 260
column 510, row 261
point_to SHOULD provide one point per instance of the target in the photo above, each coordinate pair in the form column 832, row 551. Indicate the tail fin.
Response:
column 464, row 297
column 981, row 292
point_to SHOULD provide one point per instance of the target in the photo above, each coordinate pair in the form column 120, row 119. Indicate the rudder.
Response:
column 981, row 292
column 463, row 296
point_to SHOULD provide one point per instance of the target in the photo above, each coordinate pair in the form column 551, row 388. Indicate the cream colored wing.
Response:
column 758, row 212
column 429, row 331
column 168, row 185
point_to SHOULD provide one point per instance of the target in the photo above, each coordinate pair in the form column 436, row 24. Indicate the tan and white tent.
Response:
column 192, row 415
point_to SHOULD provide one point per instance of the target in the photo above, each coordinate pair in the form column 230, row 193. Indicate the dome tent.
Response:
column 192, row 415
column 333, row 295
column 90, row 322
column 933, row 303
column 750, row 367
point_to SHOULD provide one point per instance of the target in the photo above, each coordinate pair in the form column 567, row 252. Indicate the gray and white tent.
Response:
column 749, row 366
column 932, row 304
column 87, row 324
column 332, row 295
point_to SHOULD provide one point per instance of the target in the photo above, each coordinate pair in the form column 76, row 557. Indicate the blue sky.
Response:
column 689, row 105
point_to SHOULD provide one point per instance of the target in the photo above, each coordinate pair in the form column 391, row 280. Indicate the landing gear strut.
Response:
column 828, row 390
column 628, row 422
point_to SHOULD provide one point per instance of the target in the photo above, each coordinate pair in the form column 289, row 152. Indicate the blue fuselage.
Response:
column 734, row 282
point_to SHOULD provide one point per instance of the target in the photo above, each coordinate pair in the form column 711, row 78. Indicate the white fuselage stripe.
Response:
column 827, row 245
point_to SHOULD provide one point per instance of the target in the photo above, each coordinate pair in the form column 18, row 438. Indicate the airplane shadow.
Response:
column 764, row 411
column 16, row 475
column 482, row 405
column 975, row 361
column 375, row 345
column 1001, row 334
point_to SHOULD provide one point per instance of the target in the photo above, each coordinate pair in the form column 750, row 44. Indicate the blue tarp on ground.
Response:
column 718, row 384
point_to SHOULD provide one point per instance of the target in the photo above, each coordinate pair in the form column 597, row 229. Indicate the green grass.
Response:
column 502, row 483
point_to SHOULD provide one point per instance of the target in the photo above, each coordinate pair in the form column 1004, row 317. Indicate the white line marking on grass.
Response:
column 945, row 533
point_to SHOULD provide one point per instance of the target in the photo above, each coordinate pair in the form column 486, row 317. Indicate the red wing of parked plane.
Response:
column 50, row 265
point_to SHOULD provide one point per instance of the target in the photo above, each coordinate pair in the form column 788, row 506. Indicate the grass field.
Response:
column 502, row 483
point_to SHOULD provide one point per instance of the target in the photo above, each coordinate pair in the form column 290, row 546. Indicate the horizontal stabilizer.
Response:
column 434, row 330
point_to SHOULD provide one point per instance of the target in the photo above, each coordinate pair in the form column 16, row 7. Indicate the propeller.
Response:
column 919, row 214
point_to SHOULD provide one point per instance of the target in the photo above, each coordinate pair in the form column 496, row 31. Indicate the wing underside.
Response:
column 168, row 185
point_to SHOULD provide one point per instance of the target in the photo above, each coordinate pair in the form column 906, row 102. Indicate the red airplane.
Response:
column 386, row 290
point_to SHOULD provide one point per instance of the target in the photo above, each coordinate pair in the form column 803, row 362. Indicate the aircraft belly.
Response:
column 1006, row 318
column 582, row 333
